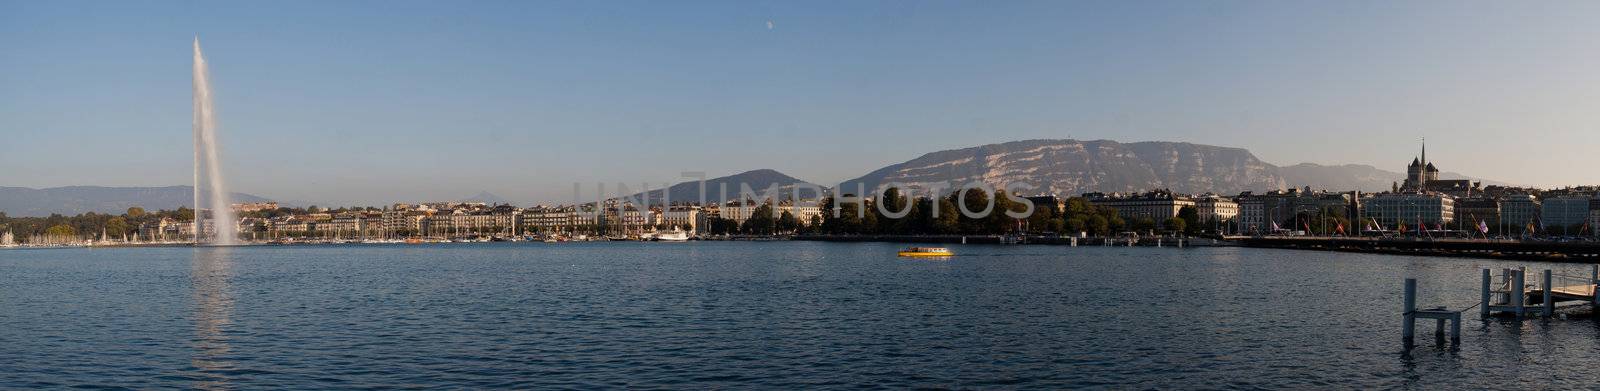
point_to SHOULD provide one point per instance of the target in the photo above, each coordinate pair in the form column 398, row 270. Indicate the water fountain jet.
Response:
column 205, row 161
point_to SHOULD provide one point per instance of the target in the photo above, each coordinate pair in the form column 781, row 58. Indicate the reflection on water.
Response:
column 213, row 309
column 756, row 315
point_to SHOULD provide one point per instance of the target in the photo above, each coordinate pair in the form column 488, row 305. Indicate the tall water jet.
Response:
column 205, row 161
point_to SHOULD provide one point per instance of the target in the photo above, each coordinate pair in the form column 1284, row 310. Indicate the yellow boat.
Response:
column 926, row 252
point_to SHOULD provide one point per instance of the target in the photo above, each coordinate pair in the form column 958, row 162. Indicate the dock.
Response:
column 1506, row 292
column 1548, row 251
column 1510, row 292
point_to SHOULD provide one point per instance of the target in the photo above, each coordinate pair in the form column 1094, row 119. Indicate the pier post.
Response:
column 1549, row 305
column 1520, row 282
column 1408, row 331
column 1455, row 329
column 1483, row 301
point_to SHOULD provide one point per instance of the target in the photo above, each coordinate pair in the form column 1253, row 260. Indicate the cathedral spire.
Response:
column 1424, row 150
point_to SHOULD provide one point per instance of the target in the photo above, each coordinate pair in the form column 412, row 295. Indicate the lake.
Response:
column 757, row 315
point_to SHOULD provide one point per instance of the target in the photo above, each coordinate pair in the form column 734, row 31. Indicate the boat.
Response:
column 674, row 236
column 926, row 252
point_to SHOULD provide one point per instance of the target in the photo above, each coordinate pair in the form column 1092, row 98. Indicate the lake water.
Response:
column 756, row 315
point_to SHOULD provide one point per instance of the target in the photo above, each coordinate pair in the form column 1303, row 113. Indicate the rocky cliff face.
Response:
column 1069, row 167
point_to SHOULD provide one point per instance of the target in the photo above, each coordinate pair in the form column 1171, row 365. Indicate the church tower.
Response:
column 1420, row 172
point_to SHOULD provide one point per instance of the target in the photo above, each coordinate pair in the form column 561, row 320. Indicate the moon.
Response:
column 769, row 25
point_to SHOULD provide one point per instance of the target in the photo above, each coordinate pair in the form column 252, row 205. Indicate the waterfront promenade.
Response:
column 1555, row 251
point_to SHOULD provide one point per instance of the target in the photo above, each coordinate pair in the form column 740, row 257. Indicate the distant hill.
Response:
column 1068, row 167
column 1342, row 177
column 487, row 198
column 71, row 200
column 758, row 180
column 1355, row 177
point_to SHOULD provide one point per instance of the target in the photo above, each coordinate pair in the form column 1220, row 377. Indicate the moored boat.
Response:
column 673, row 236
column 926, row 252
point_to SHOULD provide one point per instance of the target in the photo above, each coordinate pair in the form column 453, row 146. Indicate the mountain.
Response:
column 758, row 181
column 1342, row 177
column 1356, row 177
column 487, row 198
column 1072, row 167
column 71, row 200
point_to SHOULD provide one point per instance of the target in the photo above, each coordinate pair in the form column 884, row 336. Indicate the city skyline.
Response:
column 412, row 103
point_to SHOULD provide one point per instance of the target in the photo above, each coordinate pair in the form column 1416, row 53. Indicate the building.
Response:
column 1215, row 208
column 738, row 211
column 1594, row 220
column 1391, row 210
column 1478, row 210
column 1056, row 205
column 549, row 220
column 1520, row 213
column 462, row 222
column 1422, row 176
column 402, row 222
column 1565, row 214
column 1279, row 209
column 1157, row 205
column 682, row 217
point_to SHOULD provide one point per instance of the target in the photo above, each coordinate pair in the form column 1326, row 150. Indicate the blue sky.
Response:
column 385, row 101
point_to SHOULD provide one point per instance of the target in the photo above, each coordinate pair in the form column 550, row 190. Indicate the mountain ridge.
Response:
column 759, row 180
column 1069, row 167
column 72, row 200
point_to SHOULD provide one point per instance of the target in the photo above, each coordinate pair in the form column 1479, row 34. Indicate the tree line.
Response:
column 88, row 224
column 943, row 216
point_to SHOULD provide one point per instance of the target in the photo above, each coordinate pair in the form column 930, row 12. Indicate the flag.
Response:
column 1339, row 229
column 1275, row 226
column 1483, row 227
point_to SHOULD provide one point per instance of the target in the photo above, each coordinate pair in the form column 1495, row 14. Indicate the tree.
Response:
column 117, row 226
column 1075, row 225
column 760, row 221
column 788, row 223
column 1099, row 225
column 135, row 212
column 847, row 222
column 1144, row 224
column 1191, row 220
column 975, row 200
column 1174, row 224
column 949, row 219
column 60, row 230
